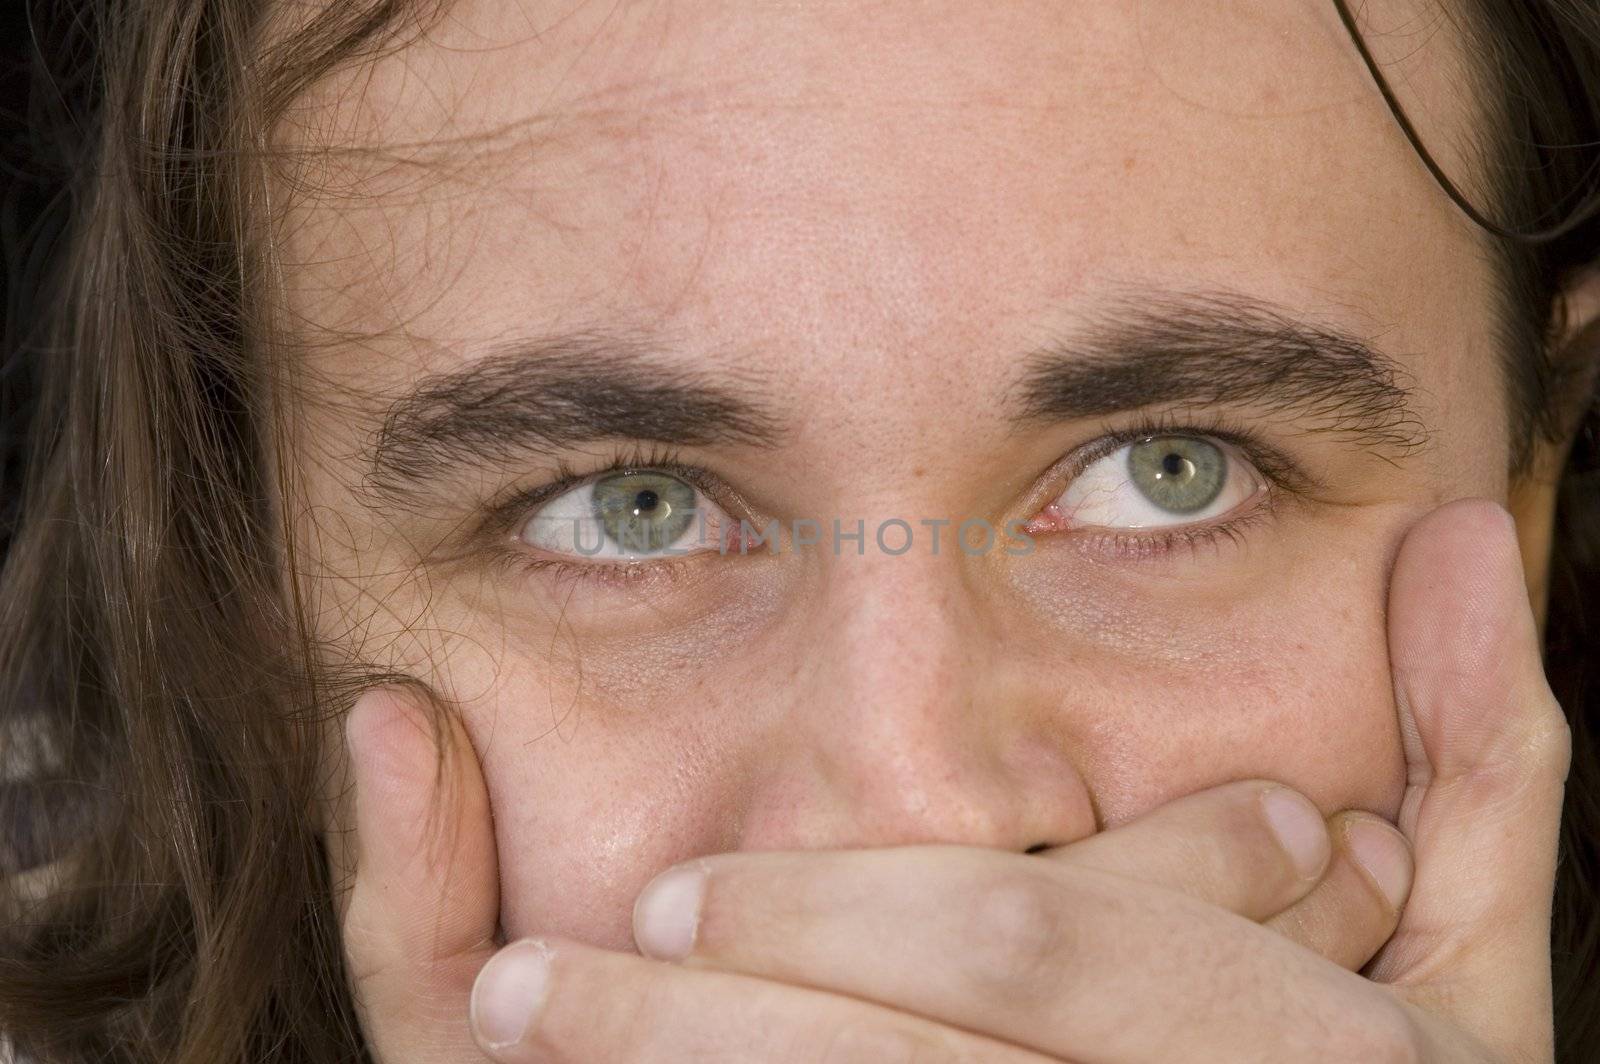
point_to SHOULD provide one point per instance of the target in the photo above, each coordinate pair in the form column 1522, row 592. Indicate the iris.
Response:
column 1180, row 474
column 642, row 511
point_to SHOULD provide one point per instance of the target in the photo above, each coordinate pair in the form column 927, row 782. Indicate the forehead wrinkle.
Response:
column 620, row 104
column 565, row 153
column 614, row 98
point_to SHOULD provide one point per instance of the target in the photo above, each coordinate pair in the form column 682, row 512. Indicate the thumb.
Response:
column 1486, row 749
column 425, row 901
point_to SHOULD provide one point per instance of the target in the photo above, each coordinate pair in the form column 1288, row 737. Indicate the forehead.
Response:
column 840, row 176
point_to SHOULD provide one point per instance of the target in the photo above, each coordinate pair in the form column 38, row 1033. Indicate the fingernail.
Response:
column 509, row 992
column 667, row 914
column 1301, row 831
column 1383, row 852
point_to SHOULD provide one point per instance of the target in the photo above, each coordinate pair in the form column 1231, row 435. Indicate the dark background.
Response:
column 42, row 97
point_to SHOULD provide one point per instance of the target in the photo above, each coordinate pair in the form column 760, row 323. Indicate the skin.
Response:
column 1120, row 947
column 845, row 205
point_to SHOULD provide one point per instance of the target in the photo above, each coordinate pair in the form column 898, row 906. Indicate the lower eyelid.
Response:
column 628, row 576
column 1162, row 543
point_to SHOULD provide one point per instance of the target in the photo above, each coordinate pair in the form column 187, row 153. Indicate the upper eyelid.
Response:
column 1271, row 462
column 1084, row 458
column 695, row 475
column 509, row 512
column 1277, row 466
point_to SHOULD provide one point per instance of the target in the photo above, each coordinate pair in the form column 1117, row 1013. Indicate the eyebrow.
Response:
column 1148, row 349
column 544, row 395
column 1213, row 348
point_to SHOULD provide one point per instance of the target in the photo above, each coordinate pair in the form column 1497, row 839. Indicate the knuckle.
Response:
column 1548, row 744
column 1536, row 752
column 1020, row 936
column 370, row 956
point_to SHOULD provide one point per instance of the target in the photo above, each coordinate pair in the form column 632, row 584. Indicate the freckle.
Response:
column 917, row 472
column 1128, row 164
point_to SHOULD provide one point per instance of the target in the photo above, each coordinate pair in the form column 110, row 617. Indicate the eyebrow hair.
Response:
column 1221, row 347
column 548, row 394
column 1145, row 349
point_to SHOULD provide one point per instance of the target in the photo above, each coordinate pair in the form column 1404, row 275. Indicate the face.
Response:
column 1158, row 285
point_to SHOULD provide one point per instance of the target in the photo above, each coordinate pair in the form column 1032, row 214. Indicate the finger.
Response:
column 1263, row 851
column 554, row 1001
column 1354, row 909
column 425, row 900
column 1487, row 749
column 1253, row 847
column 1066, row 961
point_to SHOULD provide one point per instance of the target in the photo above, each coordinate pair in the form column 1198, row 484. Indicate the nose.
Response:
column 906, row 723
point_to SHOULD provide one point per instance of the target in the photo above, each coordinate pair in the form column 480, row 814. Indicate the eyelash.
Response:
column 1282, row 474
column 507, row 514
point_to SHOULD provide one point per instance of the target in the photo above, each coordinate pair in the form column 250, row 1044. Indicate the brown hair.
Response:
column 160, row 715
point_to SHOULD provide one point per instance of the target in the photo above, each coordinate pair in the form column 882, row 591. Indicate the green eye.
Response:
column 643, row 512
column 1179, row 474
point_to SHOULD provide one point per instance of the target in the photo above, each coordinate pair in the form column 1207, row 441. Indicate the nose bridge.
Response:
column 900, row 727
column 902, row 625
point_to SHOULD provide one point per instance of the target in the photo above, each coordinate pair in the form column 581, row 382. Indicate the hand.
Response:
column 950, row 953
column 419, row 920
column 421, row 914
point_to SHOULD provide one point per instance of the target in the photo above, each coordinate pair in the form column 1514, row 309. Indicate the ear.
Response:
column 1575, row 352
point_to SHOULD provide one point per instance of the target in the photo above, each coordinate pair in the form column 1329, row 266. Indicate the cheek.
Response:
column 592, row 798
column 1310, row 705
column 1187, row 692
column 609, row 751
column 572, row 864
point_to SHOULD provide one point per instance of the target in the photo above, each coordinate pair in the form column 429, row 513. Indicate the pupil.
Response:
column 645, row 501
column 1173, row 464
